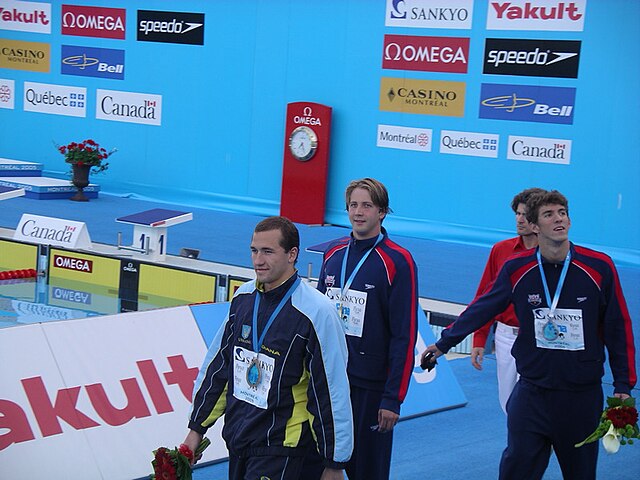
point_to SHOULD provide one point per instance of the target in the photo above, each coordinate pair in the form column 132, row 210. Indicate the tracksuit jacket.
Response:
column 309, row 387
column 500, row 252
column 592, row 287
column 382, row 359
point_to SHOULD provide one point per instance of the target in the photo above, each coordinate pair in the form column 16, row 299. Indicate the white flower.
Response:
column 611, row 440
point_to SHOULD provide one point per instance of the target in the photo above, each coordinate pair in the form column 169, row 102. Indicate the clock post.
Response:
column 306, row 162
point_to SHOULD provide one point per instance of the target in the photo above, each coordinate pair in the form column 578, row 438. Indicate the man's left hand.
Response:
column 332, row 474
column 386, row 420
column 621, row 396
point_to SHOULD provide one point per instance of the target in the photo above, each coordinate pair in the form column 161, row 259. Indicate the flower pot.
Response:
column 80, row 180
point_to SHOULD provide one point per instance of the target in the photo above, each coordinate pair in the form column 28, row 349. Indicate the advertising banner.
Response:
column 64, row 389
column 528, row 103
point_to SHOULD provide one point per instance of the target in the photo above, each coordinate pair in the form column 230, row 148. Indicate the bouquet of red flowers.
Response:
column 175, row 464
column 87, row 153
column 618, row 425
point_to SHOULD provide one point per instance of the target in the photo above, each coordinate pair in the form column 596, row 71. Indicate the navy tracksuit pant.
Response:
column 371, row 459
column 539, row 418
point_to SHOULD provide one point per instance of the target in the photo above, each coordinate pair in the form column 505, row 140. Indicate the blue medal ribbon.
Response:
column 258, row 342
column 254, row 374
column 550, row 330
column 343, row 272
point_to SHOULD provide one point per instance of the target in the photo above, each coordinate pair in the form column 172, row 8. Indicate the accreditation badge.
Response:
column 562, row 331
column 252, row 375
column 351, row 307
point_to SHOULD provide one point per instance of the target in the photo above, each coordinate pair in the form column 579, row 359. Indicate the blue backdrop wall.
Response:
column 220, row 106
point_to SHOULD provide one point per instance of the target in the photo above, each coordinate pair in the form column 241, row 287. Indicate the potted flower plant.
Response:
column 85, row 157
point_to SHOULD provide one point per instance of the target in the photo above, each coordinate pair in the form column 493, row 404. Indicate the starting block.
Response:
column 150, row 230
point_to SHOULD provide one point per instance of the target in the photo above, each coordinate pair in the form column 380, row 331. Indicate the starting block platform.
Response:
column 18, row 168
column 150, row 230
column 45, row 188
column 8, row 192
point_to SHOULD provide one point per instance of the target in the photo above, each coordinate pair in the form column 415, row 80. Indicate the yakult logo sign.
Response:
column 25, row 16
column 535, row 149
column 536, row 58
column 537, row 15
column 171, row 27
column 404, row 138
column 89, row 406
column 55, row 99
column 7, row 93
column 428, row 54
column 429, row 13
column 100, row 22
column 130, row 107
column 469, row 143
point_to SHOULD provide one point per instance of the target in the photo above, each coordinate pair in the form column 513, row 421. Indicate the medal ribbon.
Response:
column 343, row 273
column 257, row 343
column 556, row 296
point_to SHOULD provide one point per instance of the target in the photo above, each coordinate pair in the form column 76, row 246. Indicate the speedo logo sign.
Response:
column 527, row 103
column 535, row 58
column 171, row 27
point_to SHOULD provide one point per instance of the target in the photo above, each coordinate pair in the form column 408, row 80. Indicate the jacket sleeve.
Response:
column 209, row 392
column 329, row 402
column 480, row 336
column 618, row 335
column 478, row 313
column 403, row 328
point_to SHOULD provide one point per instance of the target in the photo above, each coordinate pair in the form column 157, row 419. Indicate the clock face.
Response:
column 303, row 143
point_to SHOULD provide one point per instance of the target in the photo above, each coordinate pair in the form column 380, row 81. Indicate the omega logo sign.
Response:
column 428, row 54
column 307, row 118
column 71, row 263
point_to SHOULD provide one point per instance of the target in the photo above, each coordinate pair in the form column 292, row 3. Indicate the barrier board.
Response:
column 92, row 398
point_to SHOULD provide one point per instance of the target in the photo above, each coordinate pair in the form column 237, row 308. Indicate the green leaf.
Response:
column 202, row 446
column 614, row 401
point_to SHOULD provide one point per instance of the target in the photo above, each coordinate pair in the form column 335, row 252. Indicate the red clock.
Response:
column 306, row 162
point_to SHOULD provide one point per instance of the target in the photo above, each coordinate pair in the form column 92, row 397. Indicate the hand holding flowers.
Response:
column 176, row 464
column 618, row 425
